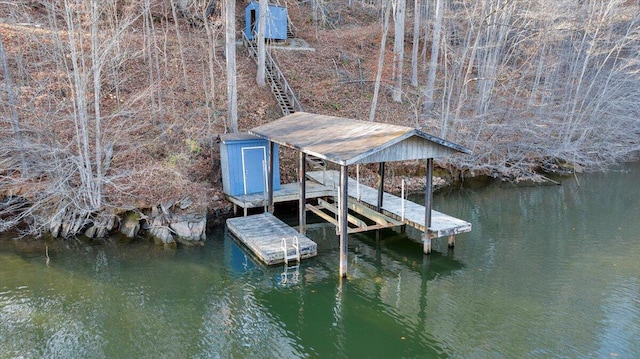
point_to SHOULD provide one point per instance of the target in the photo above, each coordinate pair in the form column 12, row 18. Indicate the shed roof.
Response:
column 346, row 141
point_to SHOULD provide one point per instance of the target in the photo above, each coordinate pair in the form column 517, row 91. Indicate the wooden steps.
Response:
column 277, row 82
column 329, row 212
column 442, row 225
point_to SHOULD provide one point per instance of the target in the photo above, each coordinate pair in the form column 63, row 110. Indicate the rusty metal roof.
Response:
column 346, row 141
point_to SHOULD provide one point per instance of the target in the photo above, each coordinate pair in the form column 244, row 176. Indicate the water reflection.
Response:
column 546, row 272
column 384, row 300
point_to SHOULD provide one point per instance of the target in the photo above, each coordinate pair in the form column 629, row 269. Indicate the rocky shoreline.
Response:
column 181, row 221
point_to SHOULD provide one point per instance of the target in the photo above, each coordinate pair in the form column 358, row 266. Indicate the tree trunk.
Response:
column 433, row 63
column 15, row 120
column 398, row 47
column 232, row 88
column 416, row 43
column 262, row 26
column 383, row 42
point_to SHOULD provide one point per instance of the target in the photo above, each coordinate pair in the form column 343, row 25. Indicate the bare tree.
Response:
column 383, row 42
column 399, row 9
column 232, row 87
column 262, row 26
column 433, row 62
column 416, row 42
column 15, row 120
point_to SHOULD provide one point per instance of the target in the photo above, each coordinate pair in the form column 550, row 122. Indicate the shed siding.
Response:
column 276, row 26
column 410, row 149
column 231, row 163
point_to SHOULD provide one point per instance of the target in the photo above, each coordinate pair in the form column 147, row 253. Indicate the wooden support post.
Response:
column 426, row 243
column 452, row 241
column 380, row 186
column 342, row 219
column 428, row 195
column 302, row 216
column 270, row 172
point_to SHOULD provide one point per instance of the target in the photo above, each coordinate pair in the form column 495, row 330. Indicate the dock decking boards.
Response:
column 287, row 192
column 442, row 225
column 263, row 233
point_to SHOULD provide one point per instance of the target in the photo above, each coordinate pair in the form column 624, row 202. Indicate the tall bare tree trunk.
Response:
column 398, row 47
column 433, row 63
column 232, row 88
column 383, row 43
column 262, row 27
column 180, row 46
column 15, row 120
column 416, row 42
column 97, row 91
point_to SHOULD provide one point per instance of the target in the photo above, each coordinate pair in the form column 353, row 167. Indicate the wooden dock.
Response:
column 287, row 192
column 442, row 225
column 263, row 234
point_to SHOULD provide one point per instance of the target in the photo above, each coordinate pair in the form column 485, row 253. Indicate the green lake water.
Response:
column 547, row 272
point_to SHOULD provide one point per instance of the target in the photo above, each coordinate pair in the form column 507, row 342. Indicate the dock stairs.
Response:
column 281, row 90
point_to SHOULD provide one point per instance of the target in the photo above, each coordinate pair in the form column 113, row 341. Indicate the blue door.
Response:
column 254, row 169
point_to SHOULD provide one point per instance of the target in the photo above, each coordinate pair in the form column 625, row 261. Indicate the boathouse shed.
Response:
column 347, row 142
column 276, row 23
column 243, row 158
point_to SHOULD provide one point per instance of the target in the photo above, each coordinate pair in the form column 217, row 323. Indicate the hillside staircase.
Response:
column 281, row 89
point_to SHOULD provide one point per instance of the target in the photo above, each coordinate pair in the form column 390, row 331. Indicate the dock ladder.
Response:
column 290, row 249
column 291, row 252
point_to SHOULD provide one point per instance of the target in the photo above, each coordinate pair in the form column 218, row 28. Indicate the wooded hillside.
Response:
column 116, row 105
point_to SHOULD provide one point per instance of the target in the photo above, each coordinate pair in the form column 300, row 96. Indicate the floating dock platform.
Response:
column 263, row 234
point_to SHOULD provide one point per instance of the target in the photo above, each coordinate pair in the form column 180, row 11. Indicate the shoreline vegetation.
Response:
column 112, row 110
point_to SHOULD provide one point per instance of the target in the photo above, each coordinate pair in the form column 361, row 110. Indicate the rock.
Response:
column 91, row 231
column 166, row 206
column 185, row 203
column 54, row 226
column 162, row 233
column 130, row 225
column 181, row 229
column 198, row 229
column 190, row 227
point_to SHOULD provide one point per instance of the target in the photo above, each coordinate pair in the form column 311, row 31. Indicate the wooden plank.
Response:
column 287, row 192
column 377, row 217
column 346, row 141
column 353, row 220
column 263, row 233
column 322, row 214
column 441, row 224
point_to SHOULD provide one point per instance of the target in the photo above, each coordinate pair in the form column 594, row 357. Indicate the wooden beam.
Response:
column 372, row 227
column 322, row 214
column 428, row 193
column 379, row 218
column 270, row 172
column 380, row 186
column 342, row 219
column 353, row 220
column 302, row 215
column 428, row 198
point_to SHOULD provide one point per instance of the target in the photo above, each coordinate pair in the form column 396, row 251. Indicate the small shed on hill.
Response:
column 243, row 160
column 276, row 21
